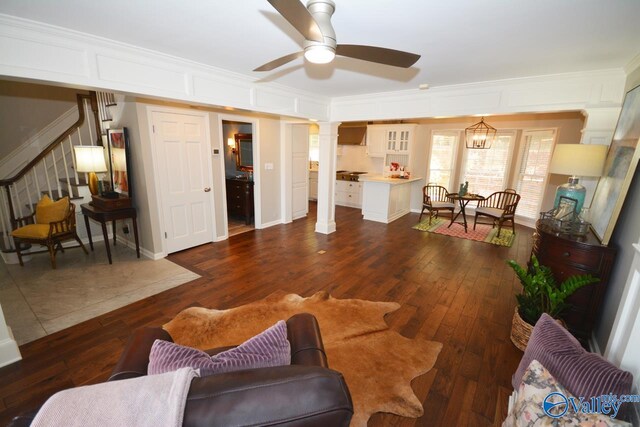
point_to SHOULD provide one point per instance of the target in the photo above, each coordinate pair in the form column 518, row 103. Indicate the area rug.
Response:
column 482, row 233
column 377, row 363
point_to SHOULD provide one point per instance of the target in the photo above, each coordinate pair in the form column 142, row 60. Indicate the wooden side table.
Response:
column 567, row 255
column 103, row 216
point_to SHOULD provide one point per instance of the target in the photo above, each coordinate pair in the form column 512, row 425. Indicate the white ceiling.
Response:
column 460, row 41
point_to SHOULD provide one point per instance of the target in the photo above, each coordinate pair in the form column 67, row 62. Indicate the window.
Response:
column 486, row 170
column 443, row 151
column 535, row 156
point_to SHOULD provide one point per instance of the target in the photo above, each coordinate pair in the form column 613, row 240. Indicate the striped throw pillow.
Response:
column 584, row 374
column 267, row 349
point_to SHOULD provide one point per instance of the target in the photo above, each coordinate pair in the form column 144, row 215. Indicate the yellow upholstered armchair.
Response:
column 50, row 225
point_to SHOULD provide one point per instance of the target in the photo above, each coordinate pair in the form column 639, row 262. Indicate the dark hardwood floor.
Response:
column 454, row 291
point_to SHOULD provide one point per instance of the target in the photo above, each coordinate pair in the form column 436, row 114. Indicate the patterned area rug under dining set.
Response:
column 483, row 232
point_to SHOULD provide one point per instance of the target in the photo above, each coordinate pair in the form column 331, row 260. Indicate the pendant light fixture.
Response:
column 480, row 135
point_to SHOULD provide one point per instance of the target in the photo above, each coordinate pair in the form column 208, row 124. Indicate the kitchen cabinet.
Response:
column 313, row 185
column 568, row 255
column 376, row 140
column 398, row 138
column 348, row 193
column 240, row 198
column 392, row 142
column 386, row 199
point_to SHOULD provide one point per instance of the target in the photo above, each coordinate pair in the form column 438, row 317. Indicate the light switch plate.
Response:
column 268, row 166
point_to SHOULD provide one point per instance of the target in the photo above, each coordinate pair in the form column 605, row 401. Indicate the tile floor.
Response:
column 38, row 300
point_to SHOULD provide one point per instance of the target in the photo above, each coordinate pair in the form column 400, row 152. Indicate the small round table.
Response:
column 463, row 201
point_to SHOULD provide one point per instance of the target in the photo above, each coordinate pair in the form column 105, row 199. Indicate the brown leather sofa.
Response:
column 305, row 393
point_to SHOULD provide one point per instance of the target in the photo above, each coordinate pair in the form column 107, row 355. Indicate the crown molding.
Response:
column 33, row 50
column 633, row 65
column 549, row 93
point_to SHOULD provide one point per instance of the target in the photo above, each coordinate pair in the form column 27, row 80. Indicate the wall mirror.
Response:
column 244, row 151
column 119, row 161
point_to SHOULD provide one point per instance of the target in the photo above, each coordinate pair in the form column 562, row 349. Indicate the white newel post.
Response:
column 328, row 138
column 9, row 352
column 598, row 129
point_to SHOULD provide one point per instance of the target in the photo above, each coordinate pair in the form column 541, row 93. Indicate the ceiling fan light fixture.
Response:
column 319, row 54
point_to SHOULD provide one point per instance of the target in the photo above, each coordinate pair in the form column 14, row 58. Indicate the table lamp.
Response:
column 90, row 159
column 576, row 160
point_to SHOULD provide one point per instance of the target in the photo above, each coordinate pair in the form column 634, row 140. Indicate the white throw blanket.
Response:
column 151, row 400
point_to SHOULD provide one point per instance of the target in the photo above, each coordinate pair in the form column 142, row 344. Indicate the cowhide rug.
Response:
column 377, row 363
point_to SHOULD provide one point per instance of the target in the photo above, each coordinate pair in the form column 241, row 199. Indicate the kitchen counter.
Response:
column 386, row 199
column 392, row 181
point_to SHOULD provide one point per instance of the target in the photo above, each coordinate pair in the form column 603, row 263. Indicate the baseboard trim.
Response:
column 326, row 228
column 270, row 224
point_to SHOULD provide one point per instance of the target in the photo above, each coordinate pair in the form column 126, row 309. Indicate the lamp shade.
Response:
column 90, row 159
column 578, row 159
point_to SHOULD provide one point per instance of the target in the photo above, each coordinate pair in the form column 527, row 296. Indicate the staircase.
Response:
column 53, row 171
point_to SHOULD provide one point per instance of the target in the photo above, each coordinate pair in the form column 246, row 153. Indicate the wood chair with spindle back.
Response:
column 500, row 207
column 436, row 198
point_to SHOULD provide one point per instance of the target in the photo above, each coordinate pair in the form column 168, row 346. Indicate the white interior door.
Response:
column 300, row 171
column 182, row 145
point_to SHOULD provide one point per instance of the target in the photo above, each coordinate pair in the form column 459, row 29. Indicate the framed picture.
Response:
column 119, row 161
column 620, row 165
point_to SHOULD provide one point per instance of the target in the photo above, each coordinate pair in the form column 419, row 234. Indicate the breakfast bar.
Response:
column 386, row 199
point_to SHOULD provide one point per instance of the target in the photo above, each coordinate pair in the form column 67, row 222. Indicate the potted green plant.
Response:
column 540, row 294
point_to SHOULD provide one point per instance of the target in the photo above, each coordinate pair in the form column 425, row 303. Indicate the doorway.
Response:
column 238, row 147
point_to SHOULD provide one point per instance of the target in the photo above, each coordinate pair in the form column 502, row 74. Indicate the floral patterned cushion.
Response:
column 537, row 383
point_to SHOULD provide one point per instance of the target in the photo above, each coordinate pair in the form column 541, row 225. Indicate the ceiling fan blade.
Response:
column 381, row 55
column 279, row 62
column 298, row 16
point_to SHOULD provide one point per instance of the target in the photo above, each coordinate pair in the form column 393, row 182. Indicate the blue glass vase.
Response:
column 573, row 190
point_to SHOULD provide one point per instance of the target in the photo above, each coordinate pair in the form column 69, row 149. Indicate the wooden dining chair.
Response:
column 436, row 198
column 500, row 207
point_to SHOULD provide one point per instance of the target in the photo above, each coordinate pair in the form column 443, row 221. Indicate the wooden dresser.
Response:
column 240, row 198
column 569, row 255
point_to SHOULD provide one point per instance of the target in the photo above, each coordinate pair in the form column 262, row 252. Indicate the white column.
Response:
column 328, row 137
column 598, row 129
column 9, row 352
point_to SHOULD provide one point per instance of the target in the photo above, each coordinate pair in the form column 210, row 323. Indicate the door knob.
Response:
column 206, row 190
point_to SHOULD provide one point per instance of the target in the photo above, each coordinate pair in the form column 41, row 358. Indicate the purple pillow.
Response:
column 584, row 374
column 268, row 348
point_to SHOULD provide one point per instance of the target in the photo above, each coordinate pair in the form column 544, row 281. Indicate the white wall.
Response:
column 269, row 156
column 27, row 108
column 354, row 158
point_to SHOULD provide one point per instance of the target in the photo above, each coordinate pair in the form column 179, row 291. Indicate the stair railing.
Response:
column 53, row 171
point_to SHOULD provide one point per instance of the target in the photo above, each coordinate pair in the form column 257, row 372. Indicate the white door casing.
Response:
column 182, row 143
column 300, row 171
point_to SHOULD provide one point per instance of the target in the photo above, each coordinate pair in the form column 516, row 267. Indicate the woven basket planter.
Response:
column 520, row 331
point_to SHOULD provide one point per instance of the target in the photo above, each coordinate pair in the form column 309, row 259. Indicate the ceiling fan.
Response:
column 320, row 46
